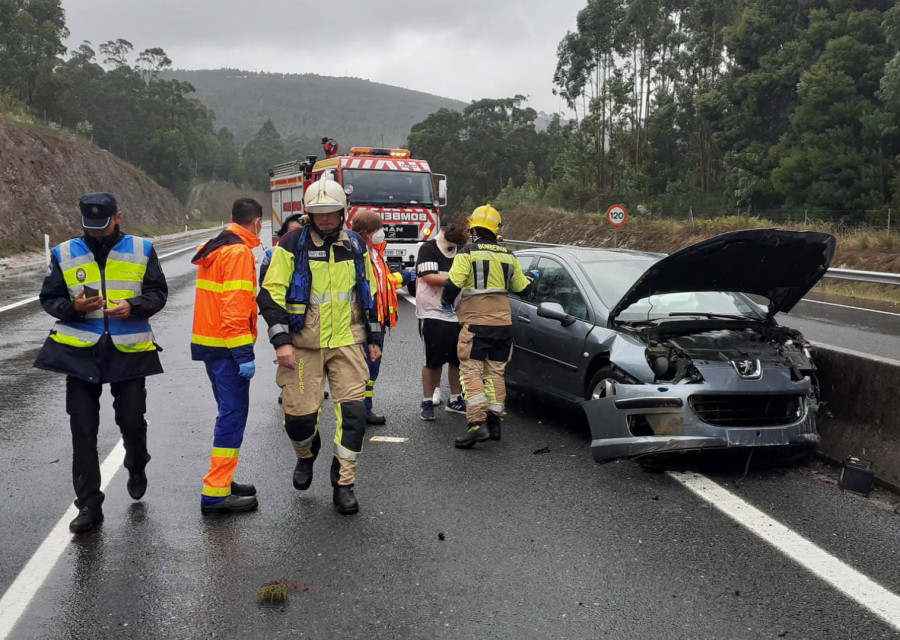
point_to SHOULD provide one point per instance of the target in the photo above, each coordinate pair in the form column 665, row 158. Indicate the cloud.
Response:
column 466, row 50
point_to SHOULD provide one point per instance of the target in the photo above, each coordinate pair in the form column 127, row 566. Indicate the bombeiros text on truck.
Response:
column 402, row 190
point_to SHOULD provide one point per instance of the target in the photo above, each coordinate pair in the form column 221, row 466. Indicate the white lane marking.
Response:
column 18, row 304
column 844, row 578
column 387, row 439
column 32, row 576
column 845, row 306
column 175, row 253
column 36, row 298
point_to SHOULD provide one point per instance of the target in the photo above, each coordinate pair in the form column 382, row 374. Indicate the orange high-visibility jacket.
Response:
column 386, row 296
column 225, row 307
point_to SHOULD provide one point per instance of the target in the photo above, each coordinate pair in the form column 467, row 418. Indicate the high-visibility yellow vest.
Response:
column 122, row 279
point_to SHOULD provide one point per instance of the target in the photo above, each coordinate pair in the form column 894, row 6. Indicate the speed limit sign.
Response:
column 616, row 215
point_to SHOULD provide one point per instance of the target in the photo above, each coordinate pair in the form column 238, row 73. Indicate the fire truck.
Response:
column 402, row 190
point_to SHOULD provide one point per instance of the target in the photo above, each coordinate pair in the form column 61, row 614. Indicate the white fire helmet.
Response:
column 324, row 196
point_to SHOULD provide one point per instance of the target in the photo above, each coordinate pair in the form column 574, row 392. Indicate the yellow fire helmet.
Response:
column 486, row 217
column 324, row 196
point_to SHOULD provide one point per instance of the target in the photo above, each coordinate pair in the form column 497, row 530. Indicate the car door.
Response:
column 551, row 355
column 516, row 369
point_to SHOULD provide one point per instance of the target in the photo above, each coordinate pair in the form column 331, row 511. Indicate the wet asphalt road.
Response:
column 499, row 542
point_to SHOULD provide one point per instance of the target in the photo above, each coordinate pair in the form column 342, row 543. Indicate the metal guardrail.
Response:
column 874, row 277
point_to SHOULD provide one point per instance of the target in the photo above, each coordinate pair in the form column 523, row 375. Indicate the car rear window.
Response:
column 611, row 279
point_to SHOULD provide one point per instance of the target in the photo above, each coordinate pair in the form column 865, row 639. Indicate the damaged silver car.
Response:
column 679, row 352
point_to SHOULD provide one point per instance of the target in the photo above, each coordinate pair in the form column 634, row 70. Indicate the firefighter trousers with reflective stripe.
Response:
column 83, row 407
column 483, row 353
column 232, row 393
column 303, row 391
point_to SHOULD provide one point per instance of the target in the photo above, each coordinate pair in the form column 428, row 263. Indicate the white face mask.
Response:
column 378, row 237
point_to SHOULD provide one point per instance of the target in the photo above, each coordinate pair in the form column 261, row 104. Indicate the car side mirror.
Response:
column 554, row 311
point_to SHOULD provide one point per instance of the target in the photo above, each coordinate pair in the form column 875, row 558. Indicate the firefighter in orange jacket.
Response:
column 224, row 333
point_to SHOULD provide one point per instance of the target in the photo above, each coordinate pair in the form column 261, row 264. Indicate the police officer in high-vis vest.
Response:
column 317, row 299
column 102, row 288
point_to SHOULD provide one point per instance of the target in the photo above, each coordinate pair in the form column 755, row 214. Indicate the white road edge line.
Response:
column 18, row 304
column 32, row 576
column 844, row 578
column 846, row 306
column 36, row 298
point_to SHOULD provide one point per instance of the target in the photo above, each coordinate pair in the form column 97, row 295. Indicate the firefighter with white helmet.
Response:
column 482, row 274
column 317, row 300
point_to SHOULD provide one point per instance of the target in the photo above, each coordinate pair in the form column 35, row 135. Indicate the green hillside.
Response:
column 351, row 110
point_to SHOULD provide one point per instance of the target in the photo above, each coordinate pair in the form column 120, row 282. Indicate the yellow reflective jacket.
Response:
column 334, row 317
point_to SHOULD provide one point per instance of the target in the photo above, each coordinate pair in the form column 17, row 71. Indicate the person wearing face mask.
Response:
column 318, row 301
column 438, row 327
column 368, row 225
column 223, row 337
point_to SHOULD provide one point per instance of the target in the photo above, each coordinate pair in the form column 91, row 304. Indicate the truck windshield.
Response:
column 388, row 188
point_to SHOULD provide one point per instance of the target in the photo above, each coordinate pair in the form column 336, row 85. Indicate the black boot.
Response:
column 238, row 489
column 344, row 500
column 375, row 418
column 86, row 520
column 230, row 504
column 493, row 425
column 137, row 484
column 476, row 433
column 303, row 473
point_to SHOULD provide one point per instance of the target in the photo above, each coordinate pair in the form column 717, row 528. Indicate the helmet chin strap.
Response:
column 331, row 235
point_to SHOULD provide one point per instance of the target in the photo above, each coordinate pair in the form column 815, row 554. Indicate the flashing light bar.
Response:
column 380, row 151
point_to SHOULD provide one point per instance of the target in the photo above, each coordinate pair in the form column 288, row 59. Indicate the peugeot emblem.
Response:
column 747, row 368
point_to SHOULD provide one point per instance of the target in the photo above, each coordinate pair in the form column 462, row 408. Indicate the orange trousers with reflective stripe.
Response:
column 232, row 393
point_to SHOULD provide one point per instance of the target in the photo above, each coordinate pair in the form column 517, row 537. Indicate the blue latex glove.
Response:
column 247, row 369
column 535, row 274
column 447, row 308
column 409, row 276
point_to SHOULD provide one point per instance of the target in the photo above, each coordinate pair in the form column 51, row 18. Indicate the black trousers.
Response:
column 83, row 407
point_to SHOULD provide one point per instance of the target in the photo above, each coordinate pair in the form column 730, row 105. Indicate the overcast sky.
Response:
column 463, row 49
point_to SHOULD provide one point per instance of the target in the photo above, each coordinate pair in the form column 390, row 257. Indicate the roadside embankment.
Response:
column 861, row 415
column 854, row 251
column 44, row 172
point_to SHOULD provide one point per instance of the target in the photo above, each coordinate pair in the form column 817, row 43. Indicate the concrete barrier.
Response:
column 860, row 393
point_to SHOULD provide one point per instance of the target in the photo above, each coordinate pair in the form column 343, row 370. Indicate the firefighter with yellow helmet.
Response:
column 482, row 275
column 317, row 298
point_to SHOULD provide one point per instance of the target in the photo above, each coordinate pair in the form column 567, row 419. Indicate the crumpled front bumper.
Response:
column 648, row 419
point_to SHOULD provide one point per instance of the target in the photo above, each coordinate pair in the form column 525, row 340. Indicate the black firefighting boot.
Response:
column 303, row 473
column 493, row 425
column 476, row 433
column 344, row 500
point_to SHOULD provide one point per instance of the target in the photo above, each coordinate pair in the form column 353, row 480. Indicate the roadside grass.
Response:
column 861, row 238
column 858, row 290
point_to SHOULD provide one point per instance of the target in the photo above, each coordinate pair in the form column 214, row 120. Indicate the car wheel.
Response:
column 602, row 383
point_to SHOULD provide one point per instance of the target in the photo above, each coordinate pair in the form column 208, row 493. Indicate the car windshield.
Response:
column 612, row 280
column 391, row 188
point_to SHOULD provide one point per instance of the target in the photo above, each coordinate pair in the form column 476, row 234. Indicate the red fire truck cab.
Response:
column 402, row 190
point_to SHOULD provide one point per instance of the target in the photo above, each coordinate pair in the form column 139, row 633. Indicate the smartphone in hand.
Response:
column 90, row 292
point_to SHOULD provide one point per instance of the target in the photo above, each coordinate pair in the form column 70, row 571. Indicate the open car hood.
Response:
column 778, row 264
